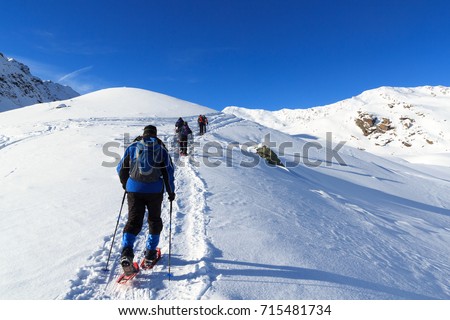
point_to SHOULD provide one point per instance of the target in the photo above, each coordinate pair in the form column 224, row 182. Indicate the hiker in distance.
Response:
column 202, row 122
column 183, row 132
column 145, row 171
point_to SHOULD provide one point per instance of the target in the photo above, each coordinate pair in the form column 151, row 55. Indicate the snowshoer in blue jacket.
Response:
column 146, row 171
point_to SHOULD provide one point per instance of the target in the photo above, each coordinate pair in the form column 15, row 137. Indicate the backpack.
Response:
column 185, row 130
column 146, row 166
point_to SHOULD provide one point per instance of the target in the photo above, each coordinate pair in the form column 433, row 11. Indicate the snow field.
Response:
column 374, row 228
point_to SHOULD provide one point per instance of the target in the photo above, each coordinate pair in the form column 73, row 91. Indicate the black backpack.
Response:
column 146, row 166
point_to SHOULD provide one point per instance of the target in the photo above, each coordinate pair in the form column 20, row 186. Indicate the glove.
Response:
column 171, row 196
column 124, row 184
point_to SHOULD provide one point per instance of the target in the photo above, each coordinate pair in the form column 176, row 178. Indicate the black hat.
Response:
column 150, row 131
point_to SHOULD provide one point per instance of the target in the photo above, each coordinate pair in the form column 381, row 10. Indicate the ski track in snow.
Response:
column 190, row 246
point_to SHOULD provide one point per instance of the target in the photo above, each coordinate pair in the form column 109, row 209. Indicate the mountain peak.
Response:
column 19, row 88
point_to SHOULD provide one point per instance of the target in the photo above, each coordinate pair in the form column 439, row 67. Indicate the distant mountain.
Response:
column 19, row 88
column 412, row 123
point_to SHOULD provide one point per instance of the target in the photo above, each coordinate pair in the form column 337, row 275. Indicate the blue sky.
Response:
column 268, row 54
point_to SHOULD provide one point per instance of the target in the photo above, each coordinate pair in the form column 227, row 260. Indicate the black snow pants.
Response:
column 202, row 127
column 137, row 202
column 183, row 144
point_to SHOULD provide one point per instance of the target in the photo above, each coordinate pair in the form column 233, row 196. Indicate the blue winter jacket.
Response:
column 167, row 169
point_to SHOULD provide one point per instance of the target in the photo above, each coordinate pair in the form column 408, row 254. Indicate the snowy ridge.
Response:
column 416, row 118
column 369, row 228
column 19, row 88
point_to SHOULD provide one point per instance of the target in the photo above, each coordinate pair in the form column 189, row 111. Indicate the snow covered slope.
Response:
column 357, row 226
column 18, row 87
column 411, row 123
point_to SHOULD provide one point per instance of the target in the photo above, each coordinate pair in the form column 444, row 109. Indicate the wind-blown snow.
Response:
column 374, row 228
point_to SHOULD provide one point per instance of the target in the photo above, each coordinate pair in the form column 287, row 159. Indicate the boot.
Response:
column 126, row 261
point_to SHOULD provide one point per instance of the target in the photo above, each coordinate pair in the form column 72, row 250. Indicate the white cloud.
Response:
column 74, row 74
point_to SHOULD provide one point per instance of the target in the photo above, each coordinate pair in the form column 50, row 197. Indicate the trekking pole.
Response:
column 115, row 231
column 170, row 238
